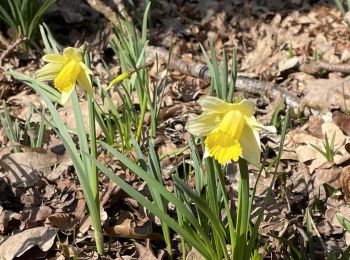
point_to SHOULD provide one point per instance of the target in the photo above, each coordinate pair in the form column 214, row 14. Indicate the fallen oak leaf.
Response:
column 16, row 245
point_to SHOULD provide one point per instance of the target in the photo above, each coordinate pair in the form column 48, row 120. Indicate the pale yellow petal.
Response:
column 48, row 72
column 246, row 107
column 214, row 104
column 250, row 143
column 217, row 105
column 72, row 54
column 67, row 77
column 54, row 58
column 202, row 125
column 85, row 68
column 258, row 126
column 65, row 96
column 85, row 82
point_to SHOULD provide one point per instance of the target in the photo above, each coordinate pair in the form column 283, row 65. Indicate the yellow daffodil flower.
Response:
column 231, row 130
column 66, row 70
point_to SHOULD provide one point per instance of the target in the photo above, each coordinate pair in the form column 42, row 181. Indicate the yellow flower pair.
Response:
column 231, row 130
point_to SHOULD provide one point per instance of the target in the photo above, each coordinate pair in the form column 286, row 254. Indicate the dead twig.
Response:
column 201, row 71
column 122, row 10
column 107, row 12
column 313, row 68
column 10, row 48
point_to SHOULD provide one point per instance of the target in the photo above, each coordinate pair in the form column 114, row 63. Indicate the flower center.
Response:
column 67, row 77
column 232, row 124
column 223, row 142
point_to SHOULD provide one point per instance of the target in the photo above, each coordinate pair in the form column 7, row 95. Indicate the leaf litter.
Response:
column 42, row 203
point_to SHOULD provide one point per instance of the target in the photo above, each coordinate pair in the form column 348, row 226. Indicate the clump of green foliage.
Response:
column 24, row 16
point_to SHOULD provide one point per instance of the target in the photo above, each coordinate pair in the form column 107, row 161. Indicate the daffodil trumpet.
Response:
column 231, row 130
column 65, row 70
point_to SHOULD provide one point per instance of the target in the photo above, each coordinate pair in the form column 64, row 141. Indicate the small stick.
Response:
column 102, row 8
column 318, row 235
column 10, row 49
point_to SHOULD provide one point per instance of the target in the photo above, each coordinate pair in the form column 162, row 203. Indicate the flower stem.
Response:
column 242, row 210
column 96, row 219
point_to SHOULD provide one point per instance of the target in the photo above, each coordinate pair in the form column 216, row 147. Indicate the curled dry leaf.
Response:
column 23, row 168
column 342, row 121
column 62, row 221
column 322, row 94
column 146, row 252
column 127, row 227
column 16, row 245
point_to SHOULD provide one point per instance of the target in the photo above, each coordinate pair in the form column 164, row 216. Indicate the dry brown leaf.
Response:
column 61, row 168
column 62, row 221
column 323, row 93
column 344, row 180
column 194, row 255
column 326, row 176
column 16, row 245
column 127, row 227
column 302, row 141
column 36, row 214
column 335, row 206
column 23, row 168
column 146, row 252
column 21, row 104
column 342, row 121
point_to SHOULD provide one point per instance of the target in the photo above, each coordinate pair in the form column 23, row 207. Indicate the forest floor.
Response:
column 295, row 49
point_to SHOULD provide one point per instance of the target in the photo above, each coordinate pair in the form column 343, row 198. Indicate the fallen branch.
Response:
column 201, row 71
column 313, row 68
column 102, row 8
column 10, row 48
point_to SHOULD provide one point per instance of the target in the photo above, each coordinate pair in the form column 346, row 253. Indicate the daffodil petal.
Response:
column 72, row 53
column 219, row 106
column 246, row 107
column 202, row 125
column 48, row 72
column 258, row 126
column 214, row 104
column 65, row 96
column 54, row 58
column 85, row 68
column 85, row 82
column 65, row 80
column 250, row 143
